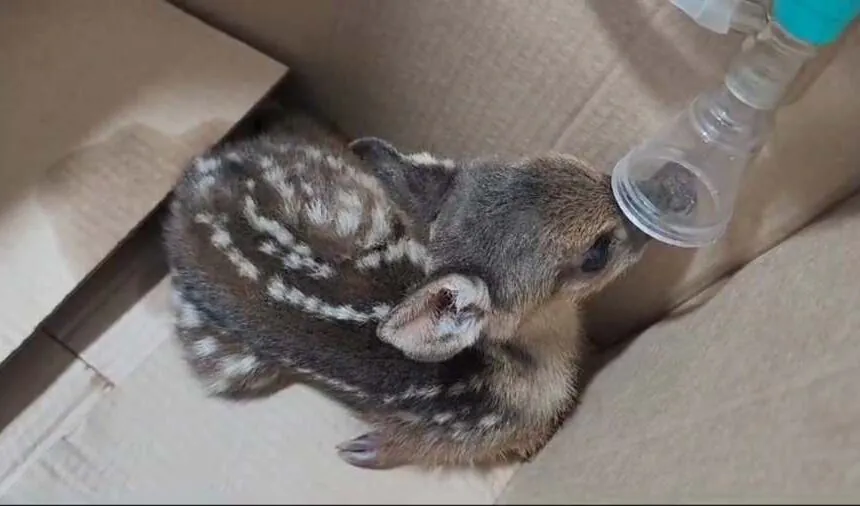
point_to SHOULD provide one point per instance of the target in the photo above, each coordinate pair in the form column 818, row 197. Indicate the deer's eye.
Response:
column 597, row 256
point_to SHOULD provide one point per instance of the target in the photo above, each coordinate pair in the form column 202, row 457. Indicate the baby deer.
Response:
column 438, row 299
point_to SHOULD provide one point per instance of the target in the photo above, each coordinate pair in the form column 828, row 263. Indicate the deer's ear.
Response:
column 439, row 319
column 417, row 182
column 378, row 152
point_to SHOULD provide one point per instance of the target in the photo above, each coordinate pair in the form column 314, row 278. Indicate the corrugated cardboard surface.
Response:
column 50, row 385
column 591, row 77
column 102, row 104
column 750, row 398
column 45, row 391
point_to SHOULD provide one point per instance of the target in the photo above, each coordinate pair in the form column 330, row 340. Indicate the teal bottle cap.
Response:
column 816, row 22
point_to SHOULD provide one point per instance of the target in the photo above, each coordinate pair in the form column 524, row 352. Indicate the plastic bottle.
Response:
column 720, row 16
column 680, row 185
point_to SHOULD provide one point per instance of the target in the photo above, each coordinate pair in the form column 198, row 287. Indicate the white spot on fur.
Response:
column 250, row 184
column 381, row 310
column 233, row 366
column 205, row 347
column 406, row 248
column 347, row 222
column 267, row 162
column 204, row 218
column 204, row 183
column 489, row 421
column 313, row 305
column 300, row 258
column 369, row 261
column 380, row 228
column 308, row 189
column 221, row 238
column 348, row 388
column 185, row 313
column 222, row 241
column 268, row 248
column 459, row 431
column 312, row 153
column 265, row 225
column 206, row 165
column 275, row 178
column 334, row 384
column 442, row 418
column 246, row 268
column 219, row 385
column 349, row 213
column 409, row 393
column 425, row 158
column 188, row 317
column 303, row 249
column 414, row 392
column 333, row 162
column 317, row 212
column 428, row 392
column 234, row 157
column 422, row 158
column 295, row 261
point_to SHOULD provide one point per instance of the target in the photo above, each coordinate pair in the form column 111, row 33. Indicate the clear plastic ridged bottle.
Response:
column 680, row 186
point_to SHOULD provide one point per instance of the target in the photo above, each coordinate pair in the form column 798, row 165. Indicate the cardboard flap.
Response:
column 102, row 104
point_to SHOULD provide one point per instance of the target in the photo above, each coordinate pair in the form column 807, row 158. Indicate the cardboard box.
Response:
column 103, row 104
column 743, row 393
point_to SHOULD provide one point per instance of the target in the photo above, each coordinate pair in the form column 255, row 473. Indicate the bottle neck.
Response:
column 761, row 75
column 750, row 16
column 721, row 118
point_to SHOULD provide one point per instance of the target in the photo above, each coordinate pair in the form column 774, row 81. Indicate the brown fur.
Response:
column 462, row 347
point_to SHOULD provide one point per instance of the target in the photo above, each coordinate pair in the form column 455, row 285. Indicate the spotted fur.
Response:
column 293, row 259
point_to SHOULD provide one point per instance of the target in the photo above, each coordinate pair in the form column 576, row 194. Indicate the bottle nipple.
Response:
column 672, row 189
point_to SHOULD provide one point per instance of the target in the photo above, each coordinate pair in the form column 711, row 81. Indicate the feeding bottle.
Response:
column 680, row 185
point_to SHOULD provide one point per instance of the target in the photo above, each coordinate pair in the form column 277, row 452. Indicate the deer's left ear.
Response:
column 439, row 319
column 418, row 182
column 378, row 152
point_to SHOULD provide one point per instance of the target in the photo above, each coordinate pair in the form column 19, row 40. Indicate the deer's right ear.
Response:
column 418, row 183
column 439, row 319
